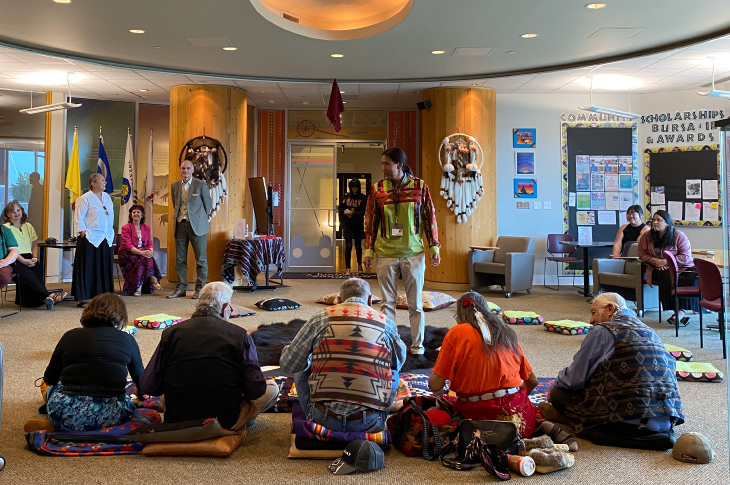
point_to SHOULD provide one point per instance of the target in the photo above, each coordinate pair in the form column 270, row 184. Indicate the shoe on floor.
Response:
column 177, row 294
column 49, row 303
column 196, row 295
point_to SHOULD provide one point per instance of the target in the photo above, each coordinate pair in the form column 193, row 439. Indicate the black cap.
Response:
column 360, row 455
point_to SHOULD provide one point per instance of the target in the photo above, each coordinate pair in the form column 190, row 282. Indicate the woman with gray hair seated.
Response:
column 621, row 389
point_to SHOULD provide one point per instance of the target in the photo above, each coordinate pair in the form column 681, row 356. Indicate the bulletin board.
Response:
column 608, row 148
column 685, row 181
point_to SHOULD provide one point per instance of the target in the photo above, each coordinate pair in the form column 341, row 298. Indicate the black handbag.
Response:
column 496, row 440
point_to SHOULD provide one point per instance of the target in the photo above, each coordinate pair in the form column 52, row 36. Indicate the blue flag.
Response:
column 102, row 167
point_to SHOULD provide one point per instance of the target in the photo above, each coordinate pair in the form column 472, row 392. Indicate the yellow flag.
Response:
column 73, row 176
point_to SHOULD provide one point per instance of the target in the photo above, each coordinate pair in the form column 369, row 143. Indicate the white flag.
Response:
column 149, row 185
column 129, row 194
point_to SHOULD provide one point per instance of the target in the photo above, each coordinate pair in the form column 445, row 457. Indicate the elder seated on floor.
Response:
column 346, row 359
column 621, row 389
column 207, row 367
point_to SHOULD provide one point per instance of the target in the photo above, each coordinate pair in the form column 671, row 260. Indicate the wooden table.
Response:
column 484, row 248
column 586, row 269
column 43, row 246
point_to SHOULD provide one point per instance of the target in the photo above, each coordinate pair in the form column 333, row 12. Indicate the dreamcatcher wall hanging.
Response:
column 461, row 159
column 209, row 164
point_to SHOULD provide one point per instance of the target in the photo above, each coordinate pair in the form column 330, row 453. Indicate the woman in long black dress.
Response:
column 352, row 220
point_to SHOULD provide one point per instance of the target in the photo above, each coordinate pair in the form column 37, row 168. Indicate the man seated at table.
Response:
column 621, row 389
column 347, row 359
column 206, row 367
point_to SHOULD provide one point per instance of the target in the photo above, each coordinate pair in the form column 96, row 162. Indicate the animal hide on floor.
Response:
column 270, row 340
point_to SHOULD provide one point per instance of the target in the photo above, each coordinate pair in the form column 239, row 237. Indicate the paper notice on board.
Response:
column 612, row 202
column 625, row 200
column 657, row 195
column 585, row 235
column 709, row 211
column 571, row 199
column 709, row 190
column 693, row 189
column 692, row 211
column 611, row 181
column 583, row 200
column 675, row 210
column 607, row 218
column 585, row 218
column 597, row 184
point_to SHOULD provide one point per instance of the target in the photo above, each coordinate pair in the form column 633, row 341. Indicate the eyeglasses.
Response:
column 455, row 315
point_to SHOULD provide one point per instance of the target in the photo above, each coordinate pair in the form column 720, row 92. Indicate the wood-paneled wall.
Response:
column 219, row 112
column 473, row 112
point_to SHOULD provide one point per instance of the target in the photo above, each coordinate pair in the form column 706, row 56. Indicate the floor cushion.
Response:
column 195, row 430
column 276, row 304
column 158, row 321
column 494, row 308
column 320, row 454
column 432, row 300
column 522, row 318
column 698, row 372
column 679, row 353
column 220, row 447
column 130, row 329
column 567, row 327
column 331, row 299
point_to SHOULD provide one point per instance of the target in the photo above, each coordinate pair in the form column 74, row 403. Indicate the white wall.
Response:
column 542, row 112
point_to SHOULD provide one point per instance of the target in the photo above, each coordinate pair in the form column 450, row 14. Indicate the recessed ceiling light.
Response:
column 262, row 90
column 271, row 101
column 510, row 52
column 595, row 6
column 61, row 1
column 157, row 47
column 305, row 103
column 342, row 92
column 344, row 102
column 144, row 90
column 230, row 48
column 475, row 84
column 416, row 92
column 337, row 55
column 528, row 36
column 136, row 31
column 437, row 52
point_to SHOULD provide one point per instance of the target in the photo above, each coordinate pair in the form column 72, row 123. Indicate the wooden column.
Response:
column 473, row 112
column 218, row 112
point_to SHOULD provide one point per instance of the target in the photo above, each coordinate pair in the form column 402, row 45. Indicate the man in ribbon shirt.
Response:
column 346, row 359
column 398, row 215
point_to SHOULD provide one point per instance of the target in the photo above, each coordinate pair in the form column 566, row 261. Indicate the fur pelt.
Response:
column 270, row 340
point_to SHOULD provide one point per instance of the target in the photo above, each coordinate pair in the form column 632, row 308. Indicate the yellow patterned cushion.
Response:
column 698, row 371
column 568, row 327
column 679, row 353
column 522, row 318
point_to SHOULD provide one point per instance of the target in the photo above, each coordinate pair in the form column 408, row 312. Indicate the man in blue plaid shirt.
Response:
column 346, row 359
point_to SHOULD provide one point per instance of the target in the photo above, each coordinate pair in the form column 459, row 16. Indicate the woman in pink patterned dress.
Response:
column 136, row 258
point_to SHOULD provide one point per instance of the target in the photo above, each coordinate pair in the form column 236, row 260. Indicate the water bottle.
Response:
column 246, row 235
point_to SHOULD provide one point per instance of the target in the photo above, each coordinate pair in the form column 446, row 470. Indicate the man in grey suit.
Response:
column 192, row 203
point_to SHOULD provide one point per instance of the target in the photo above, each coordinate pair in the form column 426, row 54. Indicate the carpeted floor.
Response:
column 30, row 337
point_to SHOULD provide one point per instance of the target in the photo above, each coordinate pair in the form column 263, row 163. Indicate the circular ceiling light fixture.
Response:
column 338, row 21
column 144, row 90
column 61, row 1
column 528, row 36
column 230, row 48
column 337, row 55
column 136, row 31
column 595, row 6
column 436, row 53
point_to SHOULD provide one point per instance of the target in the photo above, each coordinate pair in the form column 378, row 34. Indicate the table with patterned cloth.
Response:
column 254, row 256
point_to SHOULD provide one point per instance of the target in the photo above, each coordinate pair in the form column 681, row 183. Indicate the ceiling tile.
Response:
column 118, row 74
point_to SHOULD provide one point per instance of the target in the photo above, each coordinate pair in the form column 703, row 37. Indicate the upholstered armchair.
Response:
column 511, row 266
column 625, row 277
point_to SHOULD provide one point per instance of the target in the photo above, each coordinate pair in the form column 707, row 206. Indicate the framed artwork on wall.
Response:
column 526, row 188
column 524, row 137
column 525, row 163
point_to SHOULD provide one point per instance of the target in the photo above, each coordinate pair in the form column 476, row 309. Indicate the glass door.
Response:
column 312, row 211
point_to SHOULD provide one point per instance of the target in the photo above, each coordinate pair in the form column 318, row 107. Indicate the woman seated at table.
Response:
column 664, row 237
column 88, row 369
column 31, row 290
column 487, row 370
column 136, row 258
column 629, row 232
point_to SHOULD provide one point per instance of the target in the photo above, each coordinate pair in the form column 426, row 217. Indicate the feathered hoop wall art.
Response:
column 461, row 158
column 210, row 162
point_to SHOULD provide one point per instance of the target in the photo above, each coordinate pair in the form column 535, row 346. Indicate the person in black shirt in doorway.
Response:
column 352, row 219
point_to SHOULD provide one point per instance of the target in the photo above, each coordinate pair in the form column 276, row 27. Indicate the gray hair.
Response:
column 354, row 287
column 93, row 177
column 213, row 296
column 618, row 302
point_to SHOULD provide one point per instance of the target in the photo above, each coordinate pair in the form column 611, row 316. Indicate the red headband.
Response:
column 467, row 302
